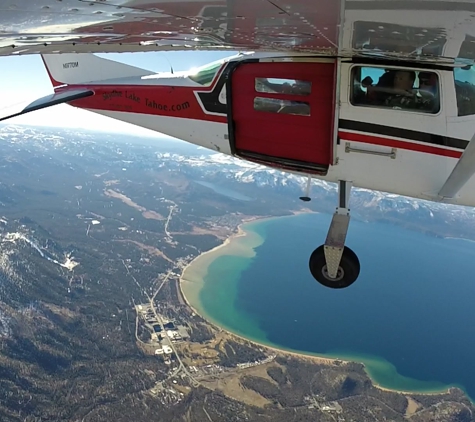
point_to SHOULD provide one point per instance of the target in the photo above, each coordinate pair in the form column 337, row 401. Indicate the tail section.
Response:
column 74, row 69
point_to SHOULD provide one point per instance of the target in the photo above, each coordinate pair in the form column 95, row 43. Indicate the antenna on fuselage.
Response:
column 171, row 67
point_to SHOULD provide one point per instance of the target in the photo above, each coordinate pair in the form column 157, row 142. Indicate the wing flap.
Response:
column 44, row 102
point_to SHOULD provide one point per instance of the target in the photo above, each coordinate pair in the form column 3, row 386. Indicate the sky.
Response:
column 24, row 78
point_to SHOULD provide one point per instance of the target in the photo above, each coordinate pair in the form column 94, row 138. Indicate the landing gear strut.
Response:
column 333, row 264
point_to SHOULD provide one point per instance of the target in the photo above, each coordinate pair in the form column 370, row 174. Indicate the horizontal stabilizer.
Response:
column 48, row 101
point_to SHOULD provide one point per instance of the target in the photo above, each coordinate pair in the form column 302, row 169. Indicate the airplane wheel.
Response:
column 348, row 271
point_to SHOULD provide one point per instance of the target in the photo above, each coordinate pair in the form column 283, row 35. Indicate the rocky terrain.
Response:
column 89, row 225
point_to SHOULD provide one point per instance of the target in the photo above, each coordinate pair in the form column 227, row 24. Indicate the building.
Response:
column 173, row 335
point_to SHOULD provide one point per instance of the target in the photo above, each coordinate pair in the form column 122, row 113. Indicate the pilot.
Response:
column 402, row 94
column 404, row 81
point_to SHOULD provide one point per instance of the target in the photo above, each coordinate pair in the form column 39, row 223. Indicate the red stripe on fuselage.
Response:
column 158, row 100
column 396, row 143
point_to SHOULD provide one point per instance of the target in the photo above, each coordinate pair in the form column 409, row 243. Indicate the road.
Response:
column 137, row 325
column 181, row 366
column 151, row 299
column 168, row 219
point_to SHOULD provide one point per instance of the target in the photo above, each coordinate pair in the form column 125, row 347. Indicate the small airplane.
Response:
column 374, row 94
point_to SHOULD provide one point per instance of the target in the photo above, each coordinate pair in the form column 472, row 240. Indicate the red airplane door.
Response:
column 283, row 113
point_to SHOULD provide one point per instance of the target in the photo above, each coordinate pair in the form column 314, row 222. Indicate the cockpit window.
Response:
column 204, row 75
column 398, row 89
column 465, row 90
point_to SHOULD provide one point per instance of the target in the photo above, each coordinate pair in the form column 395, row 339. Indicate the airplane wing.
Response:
column 48, row 101
column 92, row 26
column 433, row 30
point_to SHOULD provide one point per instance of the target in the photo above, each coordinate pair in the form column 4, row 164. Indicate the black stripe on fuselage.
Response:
column 411, row 135
column 210, row 99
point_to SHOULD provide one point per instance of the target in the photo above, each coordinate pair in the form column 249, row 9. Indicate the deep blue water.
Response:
column 412, row 306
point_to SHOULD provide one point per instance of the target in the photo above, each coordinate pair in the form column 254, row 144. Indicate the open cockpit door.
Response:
column 282, row 113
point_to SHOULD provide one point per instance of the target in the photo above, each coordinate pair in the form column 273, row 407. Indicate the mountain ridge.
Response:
column 198, row 163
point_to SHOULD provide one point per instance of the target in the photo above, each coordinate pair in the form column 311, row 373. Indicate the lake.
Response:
column 409, row 317
column 224, row 191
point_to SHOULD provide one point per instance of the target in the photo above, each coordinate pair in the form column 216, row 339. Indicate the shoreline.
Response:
column 330, row 361
column 239, row 233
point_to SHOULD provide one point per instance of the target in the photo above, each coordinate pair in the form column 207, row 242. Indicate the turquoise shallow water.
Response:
column 409, row 317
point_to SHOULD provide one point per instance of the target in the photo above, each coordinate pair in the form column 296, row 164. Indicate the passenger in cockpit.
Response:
column 392, row 87
column 428, row 82
column 428, row 91
column 377, row 94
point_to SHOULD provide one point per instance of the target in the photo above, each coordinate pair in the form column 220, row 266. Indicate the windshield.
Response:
column 465, row 90
column 204, row 75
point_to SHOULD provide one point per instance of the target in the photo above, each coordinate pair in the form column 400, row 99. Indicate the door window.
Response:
column 283, row 86
column 275, row 105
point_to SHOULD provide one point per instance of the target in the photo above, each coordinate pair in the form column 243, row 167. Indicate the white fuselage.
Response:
column 388, row 149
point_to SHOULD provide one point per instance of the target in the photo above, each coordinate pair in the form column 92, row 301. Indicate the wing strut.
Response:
column 462, row 172
column 48, row 101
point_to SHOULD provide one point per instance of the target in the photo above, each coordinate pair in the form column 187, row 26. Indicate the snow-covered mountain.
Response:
column 224, row 169
column 201, row 164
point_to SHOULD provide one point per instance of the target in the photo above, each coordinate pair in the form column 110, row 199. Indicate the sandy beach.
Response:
column 197, row 268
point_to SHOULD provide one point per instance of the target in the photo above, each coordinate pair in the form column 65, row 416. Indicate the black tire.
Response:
column 348, row 271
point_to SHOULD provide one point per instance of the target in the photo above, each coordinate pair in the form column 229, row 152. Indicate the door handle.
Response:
column 391, row 154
